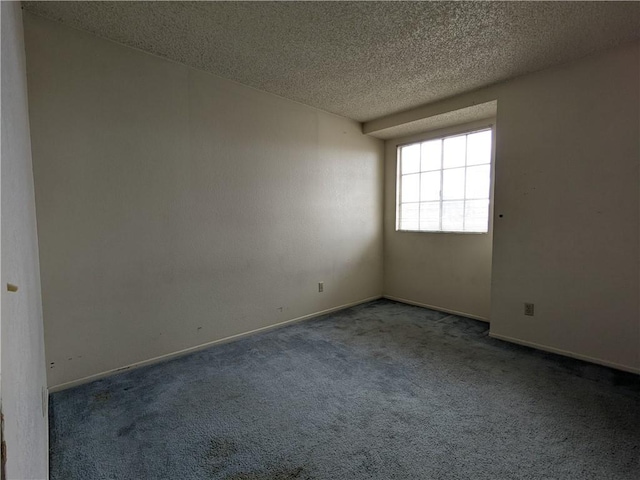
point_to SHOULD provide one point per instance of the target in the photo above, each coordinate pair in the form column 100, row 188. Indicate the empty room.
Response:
column 320, row 240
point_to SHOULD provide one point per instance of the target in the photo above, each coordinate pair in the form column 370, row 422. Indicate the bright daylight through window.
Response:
column 444, row 184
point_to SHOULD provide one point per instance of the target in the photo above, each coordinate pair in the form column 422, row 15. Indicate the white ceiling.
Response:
column 362, row 60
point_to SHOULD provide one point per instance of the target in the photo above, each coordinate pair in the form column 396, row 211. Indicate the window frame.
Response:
column 453, row 131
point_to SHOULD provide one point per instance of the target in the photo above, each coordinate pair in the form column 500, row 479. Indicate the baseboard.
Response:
column 433, row 307
column 566, row 353
column 186, row 351
column 46, row 416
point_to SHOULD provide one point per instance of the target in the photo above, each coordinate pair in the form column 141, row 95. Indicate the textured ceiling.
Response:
column 362, row 60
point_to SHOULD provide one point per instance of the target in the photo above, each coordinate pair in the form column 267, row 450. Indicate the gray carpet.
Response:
column 379, row 391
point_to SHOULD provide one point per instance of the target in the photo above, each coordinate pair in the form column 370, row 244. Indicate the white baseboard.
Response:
column 180, row 353
column 566, row 353
column 433, row 307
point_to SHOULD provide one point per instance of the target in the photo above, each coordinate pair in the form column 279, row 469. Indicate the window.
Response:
column 444, row 184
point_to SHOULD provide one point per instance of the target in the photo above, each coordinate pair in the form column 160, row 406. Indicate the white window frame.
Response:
column 442, row 134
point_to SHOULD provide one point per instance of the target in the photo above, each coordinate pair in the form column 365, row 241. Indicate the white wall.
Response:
column 176, row 208
column 23, row 363
column 447, row 271
column 567, row 185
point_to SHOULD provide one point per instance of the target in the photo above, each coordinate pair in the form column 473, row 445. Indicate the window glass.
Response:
column 431, row 155
column 430, row 185
column 410, row 219
column 411, row 159
column 479, row 148
column 454, row 151
column 410, row 188
column 478, row 181
column 444, row 184
column 453, row 184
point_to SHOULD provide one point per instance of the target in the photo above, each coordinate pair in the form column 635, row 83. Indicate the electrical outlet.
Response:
column 528, row 309
column 321, row 287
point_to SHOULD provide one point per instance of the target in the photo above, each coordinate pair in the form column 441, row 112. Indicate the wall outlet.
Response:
column 321, row 287
column 528, row 309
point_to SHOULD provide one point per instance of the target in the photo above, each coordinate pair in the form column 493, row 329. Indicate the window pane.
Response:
column 410, row 156
column 430, row 216
column 409, row 218
column 478, row 181
column 453, row 184
column 410, row 188
column 431, row 155
column 479, row 148
column 445, row 184
column 454, row 151
column 476, row 216
column 430, row 186
column 452, row 216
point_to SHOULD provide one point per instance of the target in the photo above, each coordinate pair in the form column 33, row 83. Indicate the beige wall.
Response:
column 567, row 185
column 447, row 271
column 176, row 208
column 23, row 373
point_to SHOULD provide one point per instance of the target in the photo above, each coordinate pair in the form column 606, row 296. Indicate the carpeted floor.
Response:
column 379, row 391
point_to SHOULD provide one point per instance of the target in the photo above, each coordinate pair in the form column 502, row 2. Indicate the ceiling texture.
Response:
column 361, row 60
